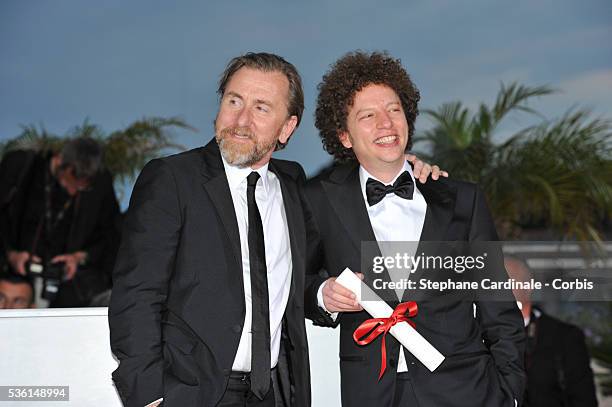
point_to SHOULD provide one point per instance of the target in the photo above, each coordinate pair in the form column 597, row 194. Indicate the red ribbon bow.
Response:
column 375, row 326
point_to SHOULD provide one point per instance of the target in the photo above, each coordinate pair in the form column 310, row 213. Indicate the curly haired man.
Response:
column 366, row 112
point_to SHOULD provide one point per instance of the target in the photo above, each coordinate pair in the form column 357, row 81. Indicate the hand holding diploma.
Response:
column 337, row 298
column 389, row 320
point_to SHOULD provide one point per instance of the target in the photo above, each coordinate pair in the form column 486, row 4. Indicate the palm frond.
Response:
column 126, row 151
column 33, row 138
column 86, row 130
column 557, row 173
column 129, row 149
column 515, row 97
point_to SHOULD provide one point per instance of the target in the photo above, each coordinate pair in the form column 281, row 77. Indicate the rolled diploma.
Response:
column 403, row 332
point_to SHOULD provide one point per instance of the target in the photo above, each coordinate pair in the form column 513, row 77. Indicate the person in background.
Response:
column 57, row 219
column 556, row 360
column 16, row 291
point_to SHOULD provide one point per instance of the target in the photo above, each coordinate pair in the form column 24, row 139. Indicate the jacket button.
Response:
column 237, row 328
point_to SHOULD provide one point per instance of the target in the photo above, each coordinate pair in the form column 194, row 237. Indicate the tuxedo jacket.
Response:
column 484, row 355
column 177, row 307
column 558, row 368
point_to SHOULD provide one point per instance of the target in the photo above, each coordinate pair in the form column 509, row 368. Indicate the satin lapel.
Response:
column 437, row 220
column 216, row 185
column 344, row 193
column 295, row 224
column 440, row 198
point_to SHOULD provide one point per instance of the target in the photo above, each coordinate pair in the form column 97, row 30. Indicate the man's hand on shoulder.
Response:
column 421, row 169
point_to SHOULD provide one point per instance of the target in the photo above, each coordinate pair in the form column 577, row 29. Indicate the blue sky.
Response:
column 116, row 61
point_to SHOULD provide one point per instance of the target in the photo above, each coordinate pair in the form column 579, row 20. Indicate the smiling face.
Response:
column 253, row 116
column 377, row 131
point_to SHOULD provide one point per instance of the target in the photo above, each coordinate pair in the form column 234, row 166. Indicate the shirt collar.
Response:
column 237, row 175
column 536, row 315
column 364, row 175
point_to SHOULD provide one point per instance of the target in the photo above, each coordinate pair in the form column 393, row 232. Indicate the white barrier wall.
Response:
column 70, row 347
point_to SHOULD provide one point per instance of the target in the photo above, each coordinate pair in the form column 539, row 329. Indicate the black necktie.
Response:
column 260, row 328
column 402, row 187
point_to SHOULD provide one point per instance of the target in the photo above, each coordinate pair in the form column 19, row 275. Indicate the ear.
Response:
column 288, row 129
column 345, row 139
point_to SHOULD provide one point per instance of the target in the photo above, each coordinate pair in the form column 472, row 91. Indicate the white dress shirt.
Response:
column 278, row 255
column 393, row 219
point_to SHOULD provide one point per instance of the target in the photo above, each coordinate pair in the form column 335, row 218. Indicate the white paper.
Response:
column 403, row 332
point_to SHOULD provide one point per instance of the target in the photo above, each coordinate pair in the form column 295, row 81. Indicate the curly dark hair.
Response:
column 347, row 76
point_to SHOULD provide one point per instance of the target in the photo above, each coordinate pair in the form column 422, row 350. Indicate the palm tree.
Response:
column 32, row 138
column 556, row 174
column 126, row 150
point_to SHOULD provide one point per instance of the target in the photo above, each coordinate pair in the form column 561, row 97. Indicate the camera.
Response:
column 51, row 274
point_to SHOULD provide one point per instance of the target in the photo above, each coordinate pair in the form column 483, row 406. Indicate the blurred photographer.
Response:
column 57, row 220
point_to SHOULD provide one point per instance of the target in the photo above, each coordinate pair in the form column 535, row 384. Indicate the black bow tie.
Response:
column 402, row 187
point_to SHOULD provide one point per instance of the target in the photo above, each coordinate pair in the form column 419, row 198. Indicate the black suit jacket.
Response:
column 558, row 368
column 473, row 373
column 177, row 307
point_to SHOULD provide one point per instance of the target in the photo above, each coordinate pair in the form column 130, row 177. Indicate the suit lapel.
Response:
column 216, row 185
column 440, row 198
column 295, row 223
column 344, row 192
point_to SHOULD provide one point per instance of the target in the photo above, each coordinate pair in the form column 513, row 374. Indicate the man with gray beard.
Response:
column 203, row 312
column 207, row 306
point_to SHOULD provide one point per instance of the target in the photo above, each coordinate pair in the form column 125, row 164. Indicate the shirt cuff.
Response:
column 155, row 403
column 321, row 303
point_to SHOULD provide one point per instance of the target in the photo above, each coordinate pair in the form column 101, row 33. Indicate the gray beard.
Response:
column 235, row 158
column 242, row 159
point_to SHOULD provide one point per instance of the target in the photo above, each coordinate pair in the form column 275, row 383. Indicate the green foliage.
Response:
column 557, row 174
column 32, row 138
column 126, row 151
